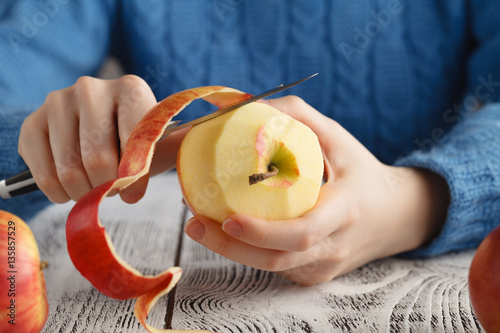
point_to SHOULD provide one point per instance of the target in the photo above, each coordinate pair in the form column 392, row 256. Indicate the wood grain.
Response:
column 214, row 293
column 391, row 295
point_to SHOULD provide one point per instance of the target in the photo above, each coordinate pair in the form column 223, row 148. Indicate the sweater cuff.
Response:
column 468, row 158
column 28, row 205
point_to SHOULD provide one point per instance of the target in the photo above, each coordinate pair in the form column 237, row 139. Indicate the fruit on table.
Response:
column 23, row 298
column 254, row 160
column 484, row 282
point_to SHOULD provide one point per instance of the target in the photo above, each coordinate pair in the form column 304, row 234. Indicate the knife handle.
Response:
column 21, row 183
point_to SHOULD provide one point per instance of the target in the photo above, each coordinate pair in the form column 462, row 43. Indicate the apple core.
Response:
column 277, row 165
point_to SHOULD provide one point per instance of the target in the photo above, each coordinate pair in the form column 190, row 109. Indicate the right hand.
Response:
column 366, row 210
column 72, row 143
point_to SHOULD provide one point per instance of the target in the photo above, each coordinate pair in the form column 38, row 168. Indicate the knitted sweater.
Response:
column 404, row 77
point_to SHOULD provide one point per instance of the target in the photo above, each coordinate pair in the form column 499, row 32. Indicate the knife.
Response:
column 232, row 107
column 23, row 182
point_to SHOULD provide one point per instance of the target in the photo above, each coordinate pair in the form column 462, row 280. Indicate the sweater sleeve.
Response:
column 469, row 160
column 469, row 156
column 44, row 46
column 11, row 163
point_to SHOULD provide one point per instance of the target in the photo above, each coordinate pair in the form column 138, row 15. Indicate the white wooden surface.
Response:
column 391, row 295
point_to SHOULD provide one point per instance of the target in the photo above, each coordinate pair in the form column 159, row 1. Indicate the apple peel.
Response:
column 91, row 249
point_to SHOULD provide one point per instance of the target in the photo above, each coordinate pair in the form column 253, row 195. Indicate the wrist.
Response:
column 422, row 198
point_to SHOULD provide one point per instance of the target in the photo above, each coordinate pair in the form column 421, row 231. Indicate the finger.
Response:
column 330, row 134
column 336, row 141
column 313, row 273
column 297, row 108
column 165, row 156
column 38, row 157
column 318, row 264
column 332, row 212
column 63, row 134
column 65, row 145
column 97, row 132
column 135, row 191
column 209, row 234
column 331, row 259
column 133, row 98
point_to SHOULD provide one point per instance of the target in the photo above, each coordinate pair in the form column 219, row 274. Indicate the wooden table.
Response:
column 217, row 294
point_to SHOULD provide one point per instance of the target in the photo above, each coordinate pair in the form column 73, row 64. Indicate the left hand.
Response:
column 366, row 210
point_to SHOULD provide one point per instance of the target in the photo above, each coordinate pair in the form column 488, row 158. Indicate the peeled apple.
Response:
column 254, row 160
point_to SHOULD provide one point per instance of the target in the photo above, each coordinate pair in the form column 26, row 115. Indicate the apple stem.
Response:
column 43, row 265
column 258, row 177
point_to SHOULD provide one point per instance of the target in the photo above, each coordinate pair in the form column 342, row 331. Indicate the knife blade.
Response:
column 232, row 107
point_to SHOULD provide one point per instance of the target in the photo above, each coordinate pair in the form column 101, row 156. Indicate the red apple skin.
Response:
column 94, row 257
column 484, row 282
column 28, row 282
column 89, row 247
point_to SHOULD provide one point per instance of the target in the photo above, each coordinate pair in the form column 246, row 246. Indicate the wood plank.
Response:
column 388, row 295
column 144, row 234
column 220, row 295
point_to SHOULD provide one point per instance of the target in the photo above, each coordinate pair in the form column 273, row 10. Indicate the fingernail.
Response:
column 232, row 227
column 195, row 229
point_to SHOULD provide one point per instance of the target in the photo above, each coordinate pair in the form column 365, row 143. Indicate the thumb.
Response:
column 135, row 191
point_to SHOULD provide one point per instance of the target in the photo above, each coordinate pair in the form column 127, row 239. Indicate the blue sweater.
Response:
column 405, row 77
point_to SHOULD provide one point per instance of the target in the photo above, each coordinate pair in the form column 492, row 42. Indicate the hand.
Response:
column 365, row 211
column 72, row 143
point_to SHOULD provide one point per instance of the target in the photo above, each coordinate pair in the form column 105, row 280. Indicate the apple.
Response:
column 89, row 246
column 280, row 158
column 23, row 296
column 254, row 160
column 484, row 282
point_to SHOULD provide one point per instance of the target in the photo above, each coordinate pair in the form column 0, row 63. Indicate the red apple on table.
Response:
column 23, row 296
column 484, row 282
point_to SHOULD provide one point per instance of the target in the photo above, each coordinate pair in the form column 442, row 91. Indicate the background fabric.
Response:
column 397, row 74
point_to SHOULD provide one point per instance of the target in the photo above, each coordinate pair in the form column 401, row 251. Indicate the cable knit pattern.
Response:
column 393, row 80
column 189, row 45
column 267, row 41
column 397, row 74
column 352, row 70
